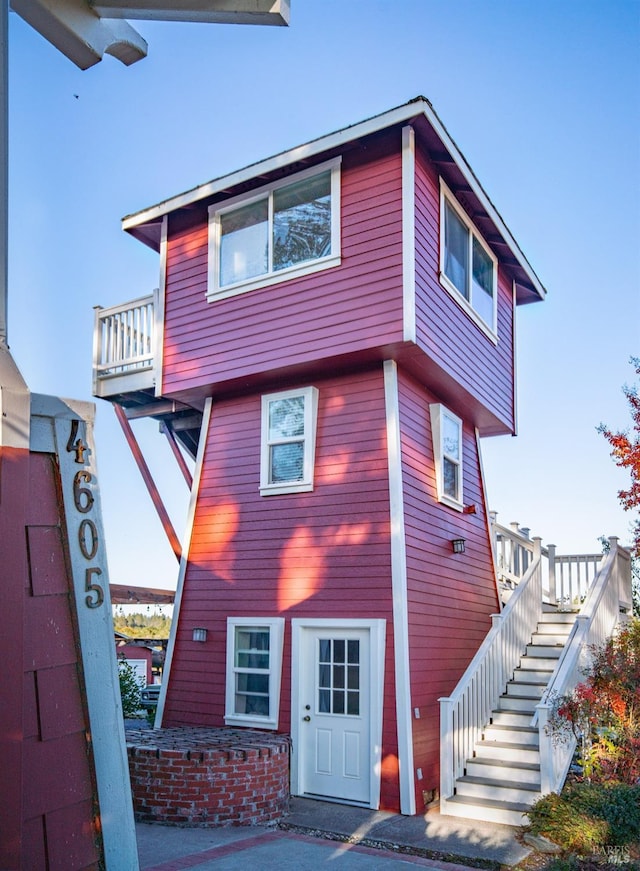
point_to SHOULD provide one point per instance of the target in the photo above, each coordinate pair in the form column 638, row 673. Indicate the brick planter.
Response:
column 208, row 777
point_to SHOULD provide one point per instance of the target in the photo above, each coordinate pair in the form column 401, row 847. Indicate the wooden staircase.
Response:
column 502, row 779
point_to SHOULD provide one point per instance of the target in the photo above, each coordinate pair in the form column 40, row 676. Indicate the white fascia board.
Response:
column 270, row 12
column 77, row 31
column 278, row 161
column 420, row 107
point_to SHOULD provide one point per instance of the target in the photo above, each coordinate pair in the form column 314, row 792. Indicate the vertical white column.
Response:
column 65, row 428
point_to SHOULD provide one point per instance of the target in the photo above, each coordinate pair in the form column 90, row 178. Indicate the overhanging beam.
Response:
column 274, row 12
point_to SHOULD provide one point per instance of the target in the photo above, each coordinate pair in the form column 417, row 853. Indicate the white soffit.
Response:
column 418, row 108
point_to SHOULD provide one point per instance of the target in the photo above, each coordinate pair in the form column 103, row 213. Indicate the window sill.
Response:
column 281, row 489
column 455, row 294
column 274, row 278
column 251, row 722
column 451, row 503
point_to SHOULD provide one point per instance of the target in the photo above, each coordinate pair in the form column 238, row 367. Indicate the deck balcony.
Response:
column 124, row 349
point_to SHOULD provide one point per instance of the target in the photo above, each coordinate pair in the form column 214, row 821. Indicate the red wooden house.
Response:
column 333, row 334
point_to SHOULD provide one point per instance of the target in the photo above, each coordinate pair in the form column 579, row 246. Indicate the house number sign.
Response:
column 83, row 500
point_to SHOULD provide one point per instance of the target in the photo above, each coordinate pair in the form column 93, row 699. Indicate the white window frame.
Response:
column 438, row 412
column 215, row 291
column 305, row 485
column 275, row 625
column 490, row 330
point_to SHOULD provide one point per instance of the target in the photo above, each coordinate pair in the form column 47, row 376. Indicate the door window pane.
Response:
column 338, row 683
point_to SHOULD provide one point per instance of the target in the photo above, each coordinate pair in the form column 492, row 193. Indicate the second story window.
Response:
column 468, row 268
column 288, row 441
column 446, row 429
column 281, row 231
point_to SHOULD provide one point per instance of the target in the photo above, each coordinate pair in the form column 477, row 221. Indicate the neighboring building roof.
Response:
column 146, row 224
column 124, row 595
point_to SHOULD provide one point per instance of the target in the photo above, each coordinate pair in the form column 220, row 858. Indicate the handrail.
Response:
column 464, row 714
column 513, row 550
column 123, row 338
column 594, row 624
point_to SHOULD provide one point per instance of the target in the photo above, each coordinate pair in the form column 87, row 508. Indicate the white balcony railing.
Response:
column 124, row 347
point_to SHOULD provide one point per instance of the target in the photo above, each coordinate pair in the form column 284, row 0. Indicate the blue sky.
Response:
column 541, row 96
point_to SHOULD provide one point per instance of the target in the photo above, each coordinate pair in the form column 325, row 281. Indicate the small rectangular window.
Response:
column 468, row 267
column 446, row 429
column 283, row 230
column 289, row 421
column 254, row 665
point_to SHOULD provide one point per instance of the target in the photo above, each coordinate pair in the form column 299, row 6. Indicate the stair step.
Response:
column 544, row 651
column 507, row 813
column 549, row 637
column 510, row 718
column 518, row 703
column 497, row 790
column 535, row 676
column 512, row 735
column 507, row 751
column 568, row 617
column 500, row 769
column 533, row 690
column 538, row 663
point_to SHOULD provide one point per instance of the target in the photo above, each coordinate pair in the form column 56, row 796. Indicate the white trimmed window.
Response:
column 288, row 444
column 446, row 429
column 468, row 267
column 281, row 231
column 254, row 668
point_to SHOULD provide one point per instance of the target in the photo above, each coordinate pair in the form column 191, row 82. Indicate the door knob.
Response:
column 307, row 719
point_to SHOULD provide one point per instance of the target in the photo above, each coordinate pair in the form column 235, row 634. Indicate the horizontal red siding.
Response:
column 319, row 554
column 450, row 596
column 346, row 309
column 444, row 331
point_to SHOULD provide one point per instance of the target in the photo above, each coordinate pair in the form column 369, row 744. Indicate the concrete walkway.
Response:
column 377, row 840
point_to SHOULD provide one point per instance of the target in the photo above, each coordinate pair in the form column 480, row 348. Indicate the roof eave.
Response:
column 144, row 225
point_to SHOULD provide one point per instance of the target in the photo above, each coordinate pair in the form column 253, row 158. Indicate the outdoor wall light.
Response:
column 199, row 634
column 458, row 545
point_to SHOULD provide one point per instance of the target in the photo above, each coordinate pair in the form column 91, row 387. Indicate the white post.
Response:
column 446, row 750
column 551, row 551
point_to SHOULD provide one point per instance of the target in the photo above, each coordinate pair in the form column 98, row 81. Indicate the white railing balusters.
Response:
column 464, row 714
column 608, row 593
column 123, row 340
column 601, row 584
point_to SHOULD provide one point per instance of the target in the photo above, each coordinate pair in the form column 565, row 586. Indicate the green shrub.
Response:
column 130, row 686
column 589, row 817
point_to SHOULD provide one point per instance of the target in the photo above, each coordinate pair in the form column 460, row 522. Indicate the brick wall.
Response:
column 208, row 777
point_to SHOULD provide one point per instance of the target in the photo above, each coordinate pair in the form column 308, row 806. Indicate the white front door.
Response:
column 334, row 716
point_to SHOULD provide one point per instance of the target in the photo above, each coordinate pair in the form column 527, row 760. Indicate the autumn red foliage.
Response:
column 625, row 450
column 604, row 711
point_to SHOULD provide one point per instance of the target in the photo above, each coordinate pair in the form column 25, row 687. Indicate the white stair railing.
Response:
column 123, row 339
column 594, row 624
column 571, row 577
column 464, row 714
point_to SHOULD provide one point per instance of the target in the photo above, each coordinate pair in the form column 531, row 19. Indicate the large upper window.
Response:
column 281, row 231
column 468, row 268
column 254, row 666
column 446, row 429
column 288, row 441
